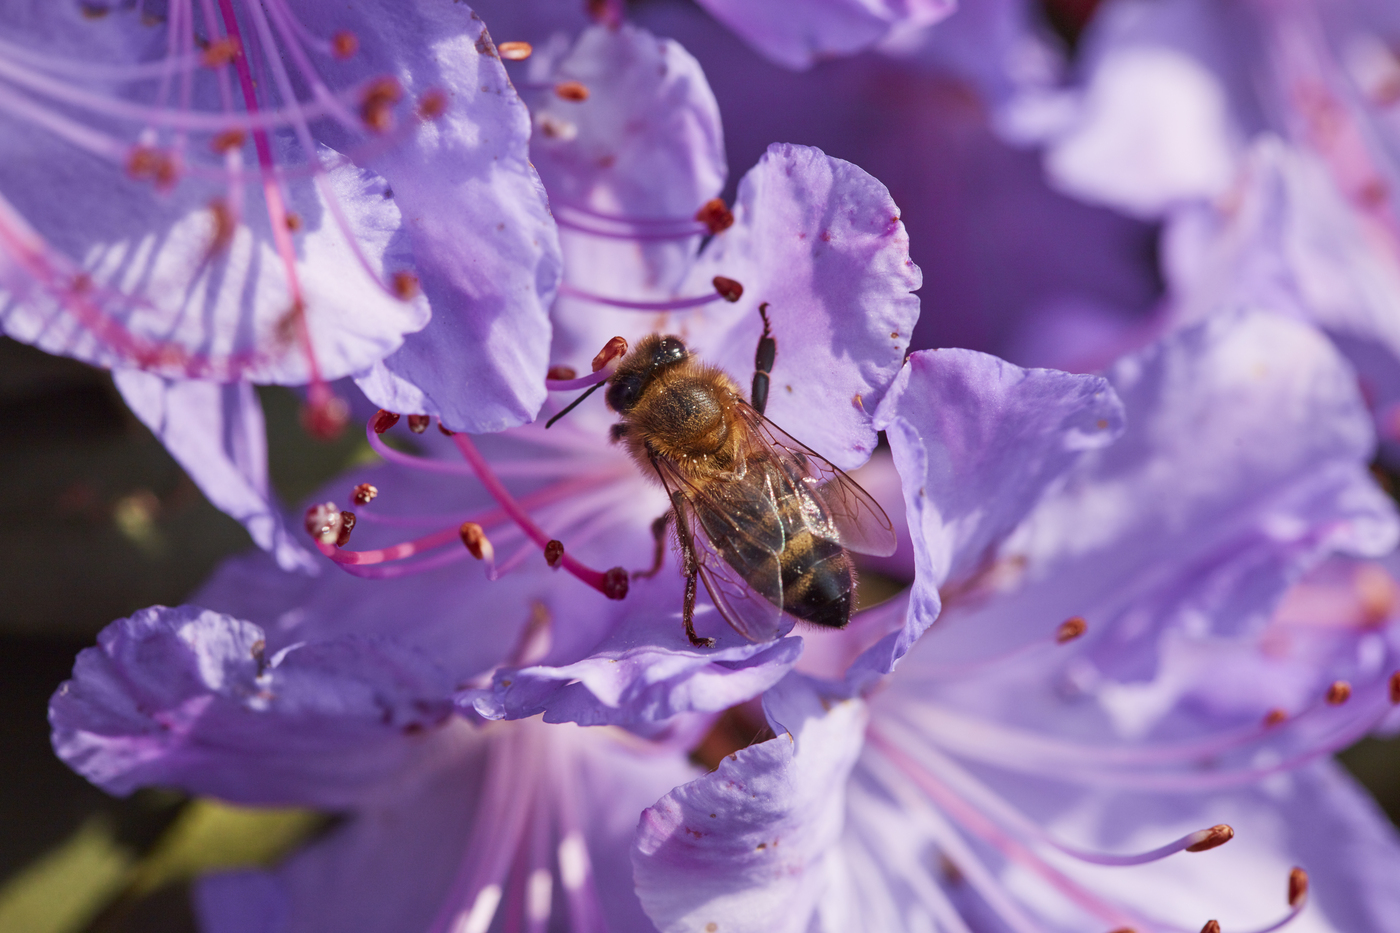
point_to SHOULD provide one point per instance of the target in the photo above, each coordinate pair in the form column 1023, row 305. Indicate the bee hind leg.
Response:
column 690, row 566
column 763, row 363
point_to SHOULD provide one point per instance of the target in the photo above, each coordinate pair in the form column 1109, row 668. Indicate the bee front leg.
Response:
column 763, row 363
column 690, row 566
column 658, row 532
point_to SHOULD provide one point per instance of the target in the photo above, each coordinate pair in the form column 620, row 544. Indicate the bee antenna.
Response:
column 574, row 404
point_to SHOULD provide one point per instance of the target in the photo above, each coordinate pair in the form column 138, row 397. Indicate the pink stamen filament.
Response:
column 978, row 825
column 673, row 304
column 567, row 223
column 599, row 581
column 583, row 382
column 628, row 220
column 919, row 754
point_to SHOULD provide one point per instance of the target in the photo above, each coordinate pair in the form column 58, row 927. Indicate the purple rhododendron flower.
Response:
column 232, row 192
column 994, row 740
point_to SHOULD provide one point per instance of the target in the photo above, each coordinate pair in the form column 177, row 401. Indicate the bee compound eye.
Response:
column 669, row 350
column 622, row 394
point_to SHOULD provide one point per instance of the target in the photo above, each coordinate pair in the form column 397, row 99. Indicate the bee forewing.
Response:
column 841, row 510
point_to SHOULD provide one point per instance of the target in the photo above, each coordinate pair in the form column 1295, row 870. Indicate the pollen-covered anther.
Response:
column 323, row 522
column 715, row 215
column 561, row 373
column 515, row 51
column 419, row 423
column 1206, row 839
column 477, row 544
column 344, row 44
column 227, row 141
column 614, row 349
column 147, row 163
column 554, row 552
column 1297, row 887
column 347, row 525
column 325, row 418
column 404, row 286
column 615, row 583
column 1338, row 693
column 728, row 289
column 572, row 91
column 364, row 493
column 1395, row 688
column 220, row 52
column 432, row 104
column 1212, row 926
column 1070, row 629
column 382, row 421
column 1274, row 717
column 377, row 107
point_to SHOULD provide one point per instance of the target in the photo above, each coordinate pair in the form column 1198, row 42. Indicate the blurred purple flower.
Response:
column 939, row 796
column 218, row 194
column 450, row 824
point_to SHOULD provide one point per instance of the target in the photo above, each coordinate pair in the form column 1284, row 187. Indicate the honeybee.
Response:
column 762, row 520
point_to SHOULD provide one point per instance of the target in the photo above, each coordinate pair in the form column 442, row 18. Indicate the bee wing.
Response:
column 839, row 510
column 743, row 522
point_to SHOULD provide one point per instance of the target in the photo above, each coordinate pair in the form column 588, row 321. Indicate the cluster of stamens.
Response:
column 330, row 527
column 251, row 64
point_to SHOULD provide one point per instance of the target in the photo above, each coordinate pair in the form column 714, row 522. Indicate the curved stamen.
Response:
column 673, row 304
column 975, row 792
column 566, row 223
column 612, row 583
column 1067, row 631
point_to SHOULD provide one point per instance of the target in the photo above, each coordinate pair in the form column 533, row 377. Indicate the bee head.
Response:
column 652, row 354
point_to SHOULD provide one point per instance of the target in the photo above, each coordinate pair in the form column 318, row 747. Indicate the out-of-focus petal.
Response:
column 476, row 220
column 747, row 846
column 639, row 156
column 1244, row 460
column 392, row 866
column 215, row 431
column 800, row 34
column 240, row 902
column 188, row 698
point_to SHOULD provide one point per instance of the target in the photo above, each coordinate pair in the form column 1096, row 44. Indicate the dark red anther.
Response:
column 376, row 109
column 615, row 583
column 323, row 522
column 1212, row 838
column 325, row 418
column 1274, row 717
column 561, row 373
column 477, row 544
column 404, row 286
column 515, row 51
column 1212, row 926
column 227, row 141
column 1297, row 887
column 554, row 553
column 293, row 221
column 728, row 289
column 1070, row 629
column 1395, row 688
column 715, row 215
column 347, row 525
column 149, row 164
column 364, row 494
column 446, row 431
column 419, row 423
column 432, row 104
column 613, row 349
column 1338, row 693
column 383, row 421
column 344, row 44
column 572, row 91
column 220, row 52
